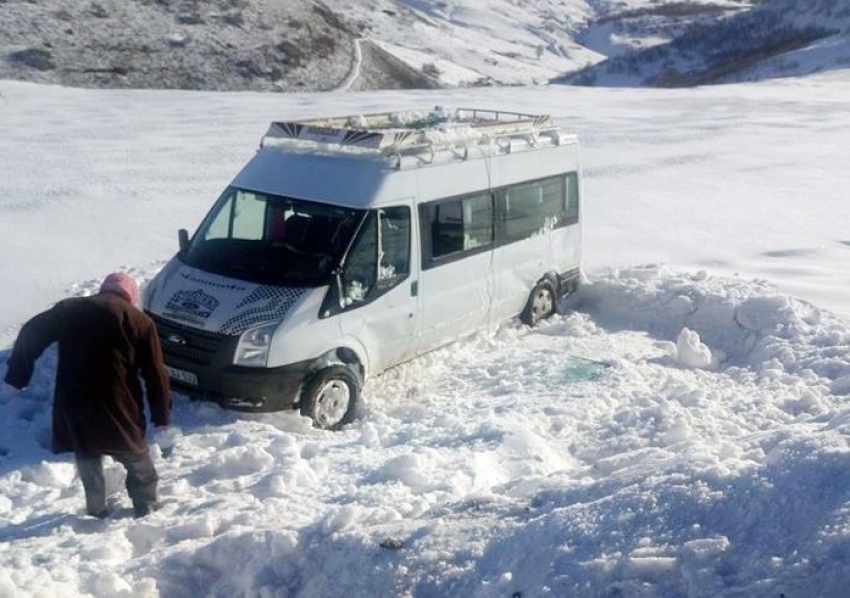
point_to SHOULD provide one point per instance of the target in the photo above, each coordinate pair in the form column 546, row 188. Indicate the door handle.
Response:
column 414, row 288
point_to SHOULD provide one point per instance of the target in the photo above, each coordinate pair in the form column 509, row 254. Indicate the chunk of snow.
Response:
column 691, row 352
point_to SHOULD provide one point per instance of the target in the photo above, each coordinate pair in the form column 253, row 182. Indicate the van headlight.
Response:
column 253, row 347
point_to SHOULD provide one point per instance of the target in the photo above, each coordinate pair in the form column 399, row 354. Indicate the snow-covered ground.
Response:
column 680, row 430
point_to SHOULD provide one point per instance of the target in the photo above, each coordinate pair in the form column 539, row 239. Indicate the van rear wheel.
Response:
column 541, row 304
column 330, row 397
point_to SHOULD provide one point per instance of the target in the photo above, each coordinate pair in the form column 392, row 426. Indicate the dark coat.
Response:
column 105, row 344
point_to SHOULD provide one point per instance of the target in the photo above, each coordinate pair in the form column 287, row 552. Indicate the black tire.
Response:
column 540, row 305
column 330, row 397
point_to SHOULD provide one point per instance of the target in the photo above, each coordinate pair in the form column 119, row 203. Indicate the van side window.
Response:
column 572, row 198
column 553, row 202
column 379, row 258
column 532, row 207
column 540, row 205
column 456, row 226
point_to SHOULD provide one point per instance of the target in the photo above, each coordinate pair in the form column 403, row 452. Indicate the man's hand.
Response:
column 13, row 390
column 165, row 437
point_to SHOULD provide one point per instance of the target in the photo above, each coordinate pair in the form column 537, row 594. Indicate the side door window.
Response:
column 393, row 246
column 379, row 258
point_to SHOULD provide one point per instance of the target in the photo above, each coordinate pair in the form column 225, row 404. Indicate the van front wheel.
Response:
column 541, row 304
column 330, row 397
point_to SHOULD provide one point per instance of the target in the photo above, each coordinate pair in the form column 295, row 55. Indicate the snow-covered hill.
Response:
column 297, row 45
column 313, row 45
column 776, row 38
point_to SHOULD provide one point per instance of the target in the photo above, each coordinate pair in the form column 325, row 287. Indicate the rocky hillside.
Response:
column 286, row 45
column 180, row 44
column 772, row 39
column 321, row 45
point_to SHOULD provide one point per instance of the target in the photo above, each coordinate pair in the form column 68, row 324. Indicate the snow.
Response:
column 831, row 52
column 448, row 73
column 487, row 40
column 680, row 429
column 691, row 352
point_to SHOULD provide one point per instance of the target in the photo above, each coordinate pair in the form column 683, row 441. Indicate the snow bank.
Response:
column 744, row 323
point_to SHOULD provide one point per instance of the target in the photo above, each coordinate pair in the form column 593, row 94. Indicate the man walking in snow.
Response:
column 105, row 344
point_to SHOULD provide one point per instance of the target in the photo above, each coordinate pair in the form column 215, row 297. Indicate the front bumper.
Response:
column 201, row 366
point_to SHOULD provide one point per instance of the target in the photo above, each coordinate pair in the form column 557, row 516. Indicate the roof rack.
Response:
column 397, row 133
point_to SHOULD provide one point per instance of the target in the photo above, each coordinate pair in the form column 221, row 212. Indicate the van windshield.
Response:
column 269, row 239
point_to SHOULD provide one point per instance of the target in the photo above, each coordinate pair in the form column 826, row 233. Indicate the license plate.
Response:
column 182, row 376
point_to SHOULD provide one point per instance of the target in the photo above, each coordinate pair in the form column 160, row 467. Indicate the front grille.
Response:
column 200, row 347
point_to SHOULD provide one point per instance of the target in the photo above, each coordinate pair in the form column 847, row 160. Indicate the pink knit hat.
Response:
column 123, row 285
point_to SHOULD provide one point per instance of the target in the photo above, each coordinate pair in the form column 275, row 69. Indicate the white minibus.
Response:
column 348, row 245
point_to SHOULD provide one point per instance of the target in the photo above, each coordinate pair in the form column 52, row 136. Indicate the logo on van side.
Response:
column 194, row 304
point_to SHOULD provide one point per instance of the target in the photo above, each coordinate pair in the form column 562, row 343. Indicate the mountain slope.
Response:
column 175, row 44
column 289, row 46
column 315, row 45
column 776, row 38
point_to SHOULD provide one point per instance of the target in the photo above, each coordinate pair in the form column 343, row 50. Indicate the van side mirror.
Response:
column 183, row 239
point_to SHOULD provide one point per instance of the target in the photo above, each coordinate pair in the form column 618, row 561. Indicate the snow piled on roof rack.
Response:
column 395, row 132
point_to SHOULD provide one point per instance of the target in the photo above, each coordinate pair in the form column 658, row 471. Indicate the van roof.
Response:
column 403, row 134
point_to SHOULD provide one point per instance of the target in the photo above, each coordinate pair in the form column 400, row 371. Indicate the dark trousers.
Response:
column 141, row 481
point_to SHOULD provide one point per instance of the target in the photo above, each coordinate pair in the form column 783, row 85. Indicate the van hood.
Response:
column 217, row 303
